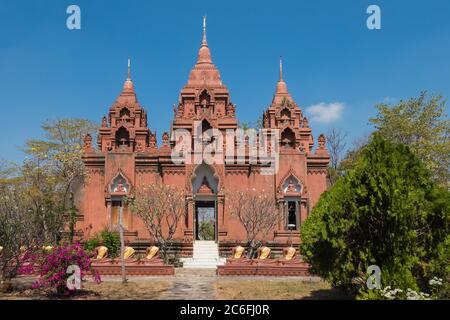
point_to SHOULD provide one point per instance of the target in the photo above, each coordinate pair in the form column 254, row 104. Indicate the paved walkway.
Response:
column 193, row 284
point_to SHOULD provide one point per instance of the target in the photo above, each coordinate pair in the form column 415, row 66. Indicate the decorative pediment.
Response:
column 119, row 184
column 291, row 185
column 205, row 188
column 204, row 177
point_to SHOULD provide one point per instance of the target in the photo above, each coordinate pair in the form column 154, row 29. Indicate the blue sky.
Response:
column 330, row 58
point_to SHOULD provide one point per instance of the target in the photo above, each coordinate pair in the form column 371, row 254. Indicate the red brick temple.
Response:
column 128, row 155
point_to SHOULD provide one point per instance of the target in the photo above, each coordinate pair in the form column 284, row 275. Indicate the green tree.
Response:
column 62, row 149
column 52, row 169
column 349, row 161
column 16, row 229
column 421, row 124
column 386, row 211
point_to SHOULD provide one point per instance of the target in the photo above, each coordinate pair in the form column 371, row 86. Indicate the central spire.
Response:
column 204, row 72
column 128, row 86
column 281, row 69
column 204, row 42
column 204, row 55
column 129, row 69
column 281, row 85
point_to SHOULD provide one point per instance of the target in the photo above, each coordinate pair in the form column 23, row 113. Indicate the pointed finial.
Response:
column 204, row 31
column 129, row 69
column 281, row 68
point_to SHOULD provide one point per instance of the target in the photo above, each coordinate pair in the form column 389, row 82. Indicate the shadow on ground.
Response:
column 327, row 294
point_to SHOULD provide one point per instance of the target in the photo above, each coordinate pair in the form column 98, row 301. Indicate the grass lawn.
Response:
column 276, row 290
column 132, row 290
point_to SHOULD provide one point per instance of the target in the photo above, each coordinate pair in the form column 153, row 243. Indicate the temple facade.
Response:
column 128, row 155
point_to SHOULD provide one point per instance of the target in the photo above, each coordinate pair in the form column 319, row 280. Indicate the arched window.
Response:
column 118, row 188
column 124, row 113
column 292, row 189
column 292, row 214
column 122, row 138
column 205, row 98
column 285, row 114
column 288, row 138
column 207, row 137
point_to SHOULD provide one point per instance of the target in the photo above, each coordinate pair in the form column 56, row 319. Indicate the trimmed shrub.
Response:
column 387, row 212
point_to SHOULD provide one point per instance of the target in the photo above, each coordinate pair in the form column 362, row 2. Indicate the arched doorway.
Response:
column 204, row 187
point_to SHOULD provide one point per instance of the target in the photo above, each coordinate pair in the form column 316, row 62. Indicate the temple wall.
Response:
column 292, row 163
column 124, row 162
column 94, row 208
column 317, row 184
column 230, row 229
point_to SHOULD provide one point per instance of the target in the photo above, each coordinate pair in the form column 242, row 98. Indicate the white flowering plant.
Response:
column 389, row 293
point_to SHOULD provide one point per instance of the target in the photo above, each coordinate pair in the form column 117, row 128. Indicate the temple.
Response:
column 128, row 155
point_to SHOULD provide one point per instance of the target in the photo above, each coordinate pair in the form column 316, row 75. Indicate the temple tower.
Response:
column 302, row 173
column 111, row 169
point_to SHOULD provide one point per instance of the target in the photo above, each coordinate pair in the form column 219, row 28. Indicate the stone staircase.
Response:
column 205, row 255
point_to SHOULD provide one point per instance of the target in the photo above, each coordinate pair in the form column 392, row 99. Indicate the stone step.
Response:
column 200, row 267
column 206, row 247
column 212, row 259
column 205, row 254
column 202, row 263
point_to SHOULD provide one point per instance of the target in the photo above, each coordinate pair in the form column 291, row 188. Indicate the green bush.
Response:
column 109, row 239
column 385, row 212
column 91, row 244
